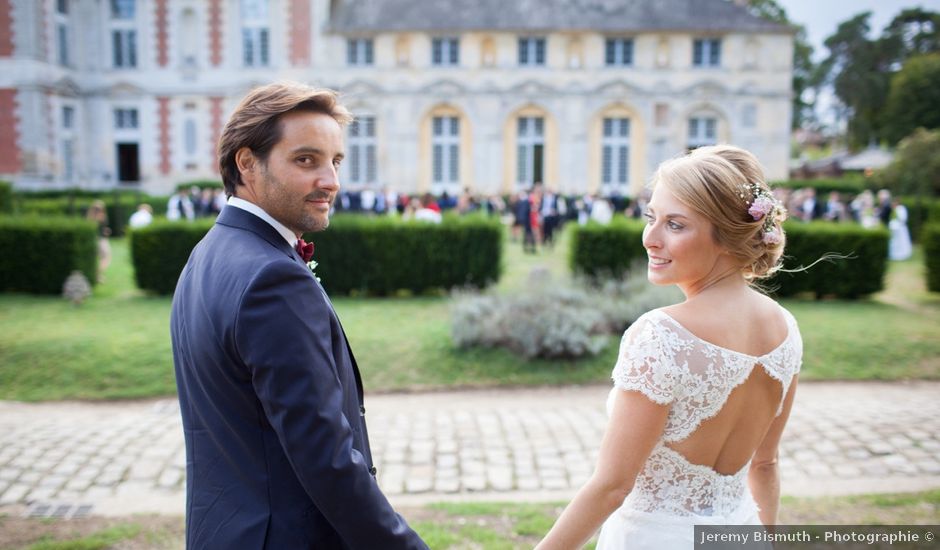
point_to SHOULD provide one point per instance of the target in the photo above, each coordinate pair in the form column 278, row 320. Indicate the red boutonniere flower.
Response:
column 304, row 249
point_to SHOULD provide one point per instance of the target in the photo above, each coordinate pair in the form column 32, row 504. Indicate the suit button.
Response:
column 362, row 410
column 373, row 471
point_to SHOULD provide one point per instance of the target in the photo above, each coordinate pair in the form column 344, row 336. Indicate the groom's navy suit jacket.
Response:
column 277, row 454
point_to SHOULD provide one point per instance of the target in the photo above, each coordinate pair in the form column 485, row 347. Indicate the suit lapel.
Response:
column 233, row 216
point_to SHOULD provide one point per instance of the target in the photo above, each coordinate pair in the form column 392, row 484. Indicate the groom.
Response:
column 277, row 453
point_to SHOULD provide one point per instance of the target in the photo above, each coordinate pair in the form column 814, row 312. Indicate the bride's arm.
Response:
column 764, row 475
column 635, row 425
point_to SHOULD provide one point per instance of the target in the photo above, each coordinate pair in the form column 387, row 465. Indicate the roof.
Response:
column 372, row 16
column 873, row 158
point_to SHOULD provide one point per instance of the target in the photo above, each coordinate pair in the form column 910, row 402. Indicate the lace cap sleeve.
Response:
column 645, row 363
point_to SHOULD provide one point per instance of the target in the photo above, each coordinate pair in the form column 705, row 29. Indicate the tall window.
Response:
column 123, row 34
column 68, row 118
column 445, row 142
column 361, row 145
column 359, row 51
column 706, row 52
column 445, row 52
column 530, row 147
column 703, row 131
column 125, row 119
column 124, row 48
column 749, row 115
column 615, row 150
column 123, row 9
column 68, row 144
column 618, row 52
column 62, row 32
column 189, row 138
column 531, row 51
column 255, row 33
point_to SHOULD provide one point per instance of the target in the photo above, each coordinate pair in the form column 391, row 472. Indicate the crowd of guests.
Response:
column 537, row 214
column 866, row 208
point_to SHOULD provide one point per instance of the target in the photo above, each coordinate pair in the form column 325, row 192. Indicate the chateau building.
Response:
column 490, row 95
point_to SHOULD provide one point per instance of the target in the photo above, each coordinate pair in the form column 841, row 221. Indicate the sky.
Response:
column 821, row 17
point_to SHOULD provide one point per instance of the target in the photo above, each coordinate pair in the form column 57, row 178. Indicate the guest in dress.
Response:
column 899, row 247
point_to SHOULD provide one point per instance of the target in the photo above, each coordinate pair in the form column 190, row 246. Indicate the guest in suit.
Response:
column 277, row 453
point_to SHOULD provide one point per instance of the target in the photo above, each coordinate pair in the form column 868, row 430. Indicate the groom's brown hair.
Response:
column 255, row 124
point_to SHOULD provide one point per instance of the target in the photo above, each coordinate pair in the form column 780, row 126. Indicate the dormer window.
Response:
column 445, row 52
column 706, row 52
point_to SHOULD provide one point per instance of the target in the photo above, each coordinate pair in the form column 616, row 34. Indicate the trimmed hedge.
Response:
column 383, row 255
column 40, row 253
column 201, row 184
column 861, row 274
column 6, row 197
column 120, row 205
column 931, row 240
column 356, row 254
column 847, row 185
column 920, row 210
column 598, row 250
column 160, row 250
column 606, row 250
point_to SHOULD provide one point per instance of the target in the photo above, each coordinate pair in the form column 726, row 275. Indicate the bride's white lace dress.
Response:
column 670, row 365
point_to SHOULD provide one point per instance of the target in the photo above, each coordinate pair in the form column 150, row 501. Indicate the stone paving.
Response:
column 521, row 445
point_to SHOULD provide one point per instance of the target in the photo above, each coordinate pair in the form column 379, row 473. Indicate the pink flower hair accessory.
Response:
column 763, row 206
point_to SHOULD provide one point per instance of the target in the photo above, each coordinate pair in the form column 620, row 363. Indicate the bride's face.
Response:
column 680, row 244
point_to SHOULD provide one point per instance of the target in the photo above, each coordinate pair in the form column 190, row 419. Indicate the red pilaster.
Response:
column 165, row 166
column 10, row 158
column 6, row 28
column 215, row 113
column 215, row 32
column 299, row 32
column 163, row 57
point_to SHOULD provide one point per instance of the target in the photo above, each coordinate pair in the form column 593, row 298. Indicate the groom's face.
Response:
column 298, row 182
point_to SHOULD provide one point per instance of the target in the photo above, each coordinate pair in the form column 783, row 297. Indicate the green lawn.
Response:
column 116, row 345
column 460, row 525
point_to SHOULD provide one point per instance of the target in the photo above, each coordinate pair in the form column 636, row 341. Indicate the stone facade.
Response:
column 587, row 96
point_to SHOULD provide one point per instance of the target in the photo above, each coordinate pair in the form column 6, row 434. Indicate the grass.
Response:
column 485, row 525
column 116, row 345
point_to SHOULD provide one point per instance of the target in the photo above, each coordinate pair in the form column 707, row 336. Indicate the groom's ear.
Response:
column 246, row 161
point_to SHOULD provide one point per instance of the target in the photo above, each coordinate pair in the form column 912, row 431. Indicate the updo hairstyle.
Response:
column 711, row 181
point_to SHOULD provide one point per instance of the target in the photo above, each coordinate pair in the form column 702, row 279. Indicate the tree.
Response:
column 916, row 166
column 803, row 67
column 859, row 71
column 912, row 32
column 914, row 97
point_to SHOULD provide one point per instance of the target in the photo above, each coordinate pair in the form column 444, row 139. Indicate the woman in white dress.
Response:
column 899, row 247
column 702, row 389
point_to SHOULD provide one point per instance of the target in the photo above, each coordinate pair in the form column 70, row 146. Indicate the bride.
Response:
column 702, row 389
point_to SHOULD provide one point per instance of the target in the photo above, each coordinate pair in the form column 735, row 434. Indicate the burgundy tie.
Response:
column 304, row 249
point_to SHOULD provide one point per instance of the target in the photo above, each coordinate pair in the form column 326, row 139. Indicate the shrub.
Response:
column 849, row 185
column 555, row 321
column 6, row 197
column 356, row 254
column 160, row 251
column 920, row 210
column 860, row 273
column 40, row 253
column 120, row 205
column 606, row 250
column 931, row 240
column 384, row 255
column 201, row 184
column 915, row 169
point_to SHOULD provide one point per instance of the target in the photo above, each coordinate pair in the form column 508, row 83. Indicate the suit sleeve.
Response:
column 283, row 333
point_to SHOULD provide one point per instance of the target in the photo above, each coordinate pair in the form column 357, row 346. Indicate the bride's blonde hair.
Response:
column 720, row 182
